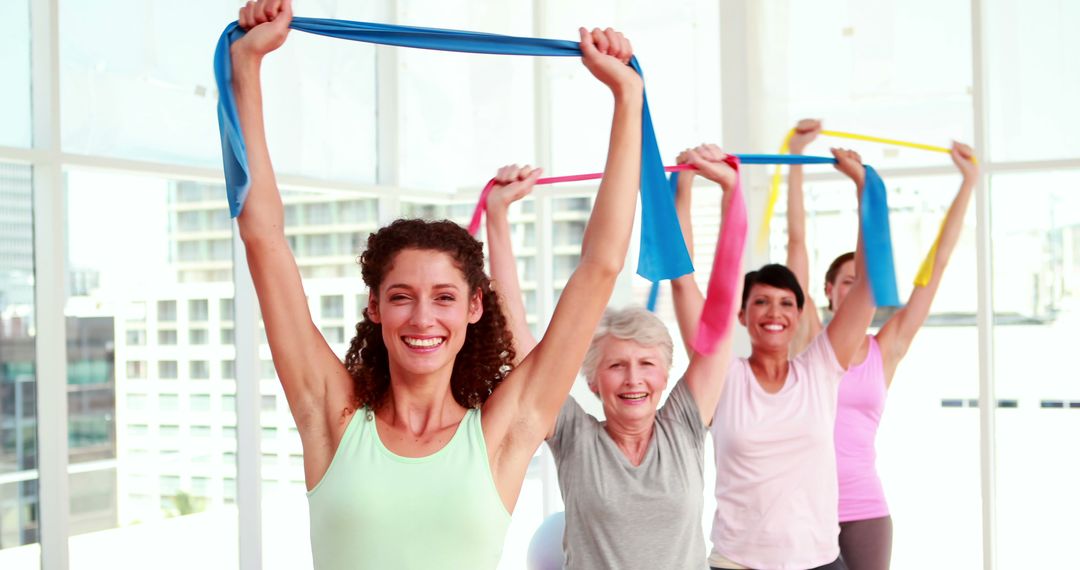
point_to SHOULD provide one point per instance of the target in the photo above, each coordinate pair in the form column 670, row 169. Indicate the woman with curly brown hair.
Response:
column 416, row 448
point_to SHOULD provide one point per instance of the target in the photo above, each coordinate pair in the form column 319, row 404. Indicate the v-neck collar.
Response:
column 650, row 450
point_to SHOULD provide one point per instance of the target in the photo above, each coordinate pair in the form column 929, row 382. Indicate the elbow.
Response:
column 255, row 229
column 253, row 236
column 610, row 270
column 601, row 270
column 606, row 264
column 683, row 283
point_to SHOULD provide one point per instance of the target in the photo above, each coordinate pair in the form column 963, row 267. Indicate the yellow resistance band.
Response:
column 927, row 268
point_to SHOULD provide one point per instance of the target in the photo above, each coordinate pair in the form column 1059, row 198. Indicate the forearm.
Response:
column 798, row 260
column 686, row 294
column 796, row 211
column 505, row 275
column 689, row 301
column 862, row 282
column 607, row 235
column 683, row 208
column 263, row 211
column 951, row 229
column 707, row 373
column 855, row 314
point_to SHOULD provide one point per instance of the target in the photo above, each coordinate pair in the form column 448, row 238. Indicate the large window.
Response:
column 484, row 107
column 15, row 128
column 146, row 449
column 876, row 67
column 685, row 105
column 116, row 85
column 1033, row 83
column 1036, row 293
column 152, row 319
column 19, row 491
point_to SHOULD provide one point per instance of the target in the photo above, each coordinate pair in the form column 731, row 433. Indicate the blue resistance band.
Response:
column 654, row 290
column 877, row 241
column 874, row 214
column 663, row 253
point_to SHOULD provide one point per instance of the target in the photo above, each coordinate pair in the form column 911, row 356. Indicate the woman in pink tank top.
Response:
column 865, row 524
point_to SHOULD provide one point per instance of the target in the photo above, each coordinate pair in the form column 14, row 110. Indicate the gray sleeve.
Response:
column 681, row 412
column 572, row 419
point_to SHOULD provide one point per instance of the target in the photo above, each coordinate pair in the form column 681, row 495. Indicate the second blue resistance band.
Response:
column 874, row 214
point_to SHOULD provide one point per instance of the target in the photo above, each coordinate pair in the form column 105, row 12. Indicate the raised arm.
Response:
column 527, row 402
column 315, row 381
column 853, row 316
column 511, row 184
column 896, row 336
column 706, row 374
column 798, row 261
column 685, row 293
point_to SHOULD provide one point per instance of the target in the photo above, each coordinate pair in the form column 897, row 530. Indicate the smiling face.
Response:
column 771, row 316
column 425, row 307
column 629, row 379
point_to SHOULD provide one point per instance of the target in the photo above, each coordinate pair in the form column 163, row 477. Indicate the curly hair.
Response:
column 487, row 355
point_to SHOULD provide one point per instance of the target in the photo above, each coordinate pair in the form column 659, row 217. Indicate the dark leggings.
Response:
column 867, row 544
column 837, row 564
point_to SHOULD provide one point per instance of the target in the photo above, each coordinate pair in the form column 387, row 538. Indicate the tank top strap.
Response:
column 474, row 430
column 873, row 356
column 872, row 365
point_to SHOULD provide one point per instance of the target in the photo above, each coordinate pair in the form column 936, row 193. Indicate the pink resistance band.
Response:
column 481, row 206
column 720, row 299
column 727, row 264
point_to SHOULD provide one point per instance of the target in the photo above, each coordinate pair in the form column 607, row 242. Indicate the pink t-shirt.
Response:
column 776, row 490
column 861, row 402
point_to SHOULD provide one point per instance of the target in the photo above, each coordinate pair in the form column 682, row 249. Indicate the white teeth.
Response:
column 634, row 396
column 775, row 328
column 423, row 342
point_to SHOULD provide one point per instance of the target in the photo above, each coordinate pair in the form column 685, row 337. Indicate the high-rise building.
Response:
column 18, row 388
column 16, row 238
column 91, row 423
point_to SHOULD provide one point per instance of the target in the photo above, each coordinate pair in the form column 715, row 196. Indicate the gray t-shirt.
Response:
column 621, row 516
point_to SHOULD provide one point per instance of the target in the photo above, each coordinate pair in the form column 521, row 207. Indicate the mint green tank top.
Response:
column 375, row 509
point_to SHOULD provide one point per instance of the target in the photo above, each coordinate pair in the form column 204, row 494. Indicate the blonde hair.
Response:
column 630, row 323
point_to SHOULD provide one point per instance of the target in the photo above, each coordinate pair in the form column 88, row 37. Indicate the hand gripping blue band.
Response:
column 874, row 214
column 662, row 255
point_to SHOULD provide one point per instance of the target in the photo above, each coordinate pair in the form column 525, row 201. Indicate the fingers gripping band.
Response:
column 927, row 268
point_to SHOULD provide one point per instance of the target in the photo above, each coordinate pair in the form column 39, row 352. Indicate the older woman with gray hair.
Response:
column 632, row 482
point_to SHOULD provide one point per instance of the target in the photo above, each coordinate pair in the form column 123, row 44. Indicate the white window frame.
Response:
column 738, row 22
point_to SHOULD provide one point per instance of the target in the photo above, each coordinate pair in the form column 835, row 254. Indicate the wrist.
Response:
column 496, row 211
column 686, row 178
column 629, row 92
column 245, row 65
column 242, row 55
